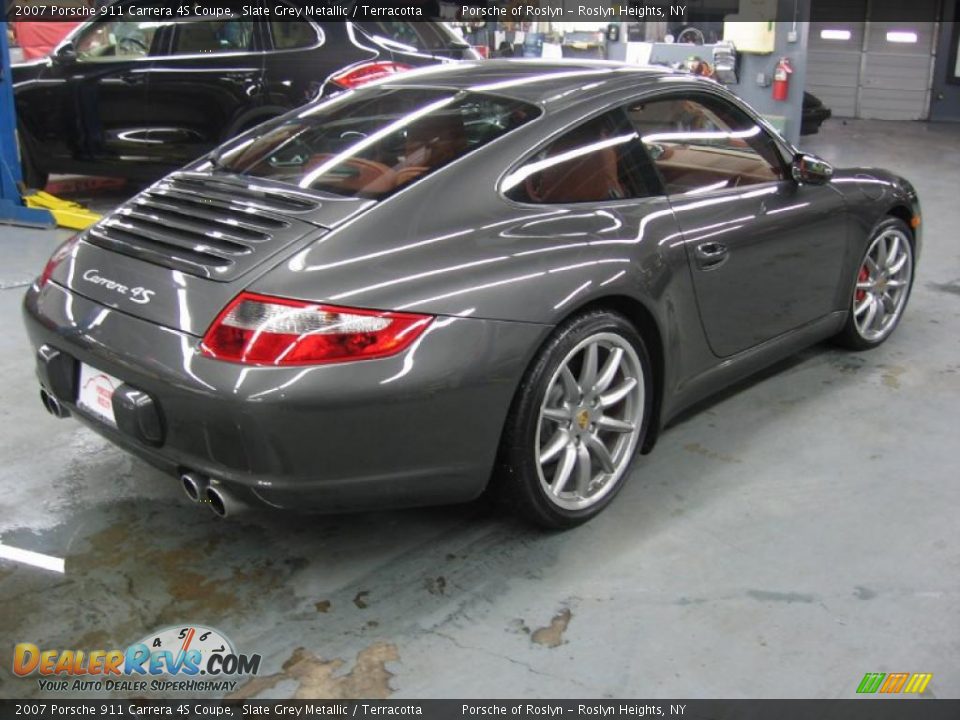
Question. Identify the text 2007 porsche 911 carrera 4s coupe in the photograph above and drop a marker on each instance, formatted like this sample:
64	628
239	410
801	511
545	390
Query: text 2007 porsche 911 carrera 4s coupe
507	273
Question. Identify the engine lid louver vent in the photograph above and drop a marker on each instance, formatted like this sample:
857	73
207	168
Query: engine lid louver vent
215	228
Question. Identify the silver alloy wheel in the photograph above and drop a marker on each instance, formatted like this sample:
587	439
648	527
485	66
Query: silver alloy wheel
590	420
882	285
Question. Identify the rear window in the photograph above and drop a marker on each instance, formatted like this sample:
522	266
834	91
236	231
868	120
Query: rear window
373	142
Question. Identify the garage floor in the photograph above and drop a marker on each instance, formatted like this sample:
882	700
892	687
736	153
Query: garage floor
796	533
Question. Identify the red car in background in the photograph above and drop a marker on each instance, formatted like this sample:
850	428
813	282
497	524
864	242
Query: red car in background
38	39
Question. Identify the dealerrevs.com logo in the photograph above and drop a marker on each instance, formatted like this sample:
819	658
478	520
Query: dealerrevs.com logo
176	659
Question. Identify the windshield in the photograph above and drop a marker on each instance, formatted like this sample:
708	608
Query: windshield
373	142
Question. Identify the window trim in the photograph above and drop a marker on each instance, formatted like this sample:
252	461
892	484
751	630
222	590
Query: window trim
320	38
321	41
527	156
172	30
786	150
74	36
297	112
692	94
164	46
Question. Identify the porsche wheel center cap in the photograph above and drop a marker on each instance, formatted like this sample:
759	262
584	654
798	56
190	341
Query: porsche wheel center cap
583	419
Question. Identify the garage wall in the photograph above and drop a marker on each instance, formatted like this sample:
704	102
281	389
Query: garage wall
869	74
760	97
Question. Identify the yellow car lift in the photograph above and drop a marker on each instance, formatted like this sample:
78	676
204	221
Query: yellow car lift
66	213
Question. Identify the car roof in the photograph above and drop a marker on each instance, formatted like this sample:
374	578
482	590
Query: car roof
544	82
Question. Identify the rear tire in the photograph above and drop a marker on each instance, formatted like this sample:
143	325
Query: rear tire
881	287
581	413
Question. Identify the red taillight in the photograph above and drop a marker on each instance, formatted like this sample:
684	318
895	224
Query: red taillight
59	255
367	72
260	330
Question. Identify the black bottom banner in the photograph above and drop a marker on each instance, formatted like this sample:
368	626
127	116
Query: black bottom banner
865	709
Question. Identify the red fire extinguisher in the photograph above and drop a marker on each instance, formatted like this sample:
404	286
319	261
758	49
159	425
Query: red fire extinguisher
781	79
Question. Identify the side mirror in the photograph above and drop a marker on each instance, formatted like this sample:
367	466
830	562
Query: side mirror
811	170
65	54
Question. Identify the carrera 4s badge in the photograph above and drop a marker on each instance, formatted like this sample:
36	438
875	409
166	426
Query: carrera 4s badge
138	295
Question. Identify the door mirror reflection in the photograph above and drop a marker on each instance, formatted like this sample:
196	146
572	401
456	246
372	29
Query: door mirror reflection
811	170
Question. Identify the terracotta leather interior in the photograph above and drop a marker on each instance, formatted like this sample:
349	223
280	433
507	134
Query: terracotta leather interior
435	140
697	163
409	174
593	177
686	168
430	142
358	174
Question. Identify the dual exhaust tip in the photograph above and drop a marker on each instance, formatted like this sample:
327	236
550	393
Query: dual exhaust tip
53	406
198	487
221	501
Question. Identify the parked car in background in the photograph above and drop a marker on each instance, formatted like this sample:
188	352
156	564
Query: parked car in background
140	98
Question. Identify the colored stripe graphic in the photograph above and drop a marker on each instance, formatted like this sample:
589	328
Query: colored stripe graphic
918	682
871	682
894	682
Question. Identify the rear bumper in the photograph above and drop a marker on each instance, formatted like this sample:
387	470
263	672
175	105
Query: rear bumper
417	429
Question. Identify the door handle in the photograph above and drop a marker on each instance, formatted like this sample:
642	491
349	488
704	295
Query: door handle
712	254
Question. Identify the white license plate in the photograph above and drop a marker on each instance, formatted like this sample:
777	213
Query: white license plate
96	393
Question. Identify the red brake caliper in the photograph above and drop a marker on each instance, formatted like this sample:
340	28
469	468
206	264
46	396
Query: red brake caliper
862	277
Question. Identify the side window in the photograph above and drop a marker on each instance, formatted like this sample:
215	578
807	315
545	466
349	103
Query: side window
293	34
591	163
416	35
115	40
704	143
199	37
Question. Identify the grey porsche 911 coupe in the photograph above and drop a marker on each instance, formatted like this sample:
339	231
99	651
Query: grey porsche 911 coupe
503	274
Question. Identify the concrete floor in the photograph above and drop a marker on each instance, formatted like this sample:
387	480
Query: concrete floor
794	534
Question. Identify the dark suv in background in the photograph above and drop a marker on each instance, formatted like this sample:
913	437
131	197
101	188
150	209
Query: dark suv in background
139	98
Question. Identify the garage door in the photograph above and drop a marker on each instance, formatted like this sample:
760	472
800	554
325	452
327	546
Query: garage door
897	64
835	53
878	67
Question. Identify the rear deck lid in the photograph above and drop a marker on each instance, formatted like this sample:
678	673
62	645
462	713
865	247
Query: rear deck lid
178	252
216	228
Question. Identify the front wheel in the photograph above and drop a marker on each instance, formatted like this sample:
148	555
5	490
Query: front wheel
882	287
576	423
